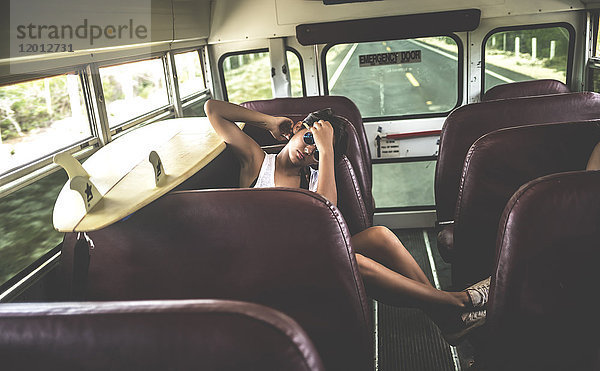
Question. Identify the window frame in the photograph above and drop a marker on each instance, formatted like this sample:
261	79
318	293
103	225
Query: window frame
38	164
197	93
151	116
397	160
222	71
301	62
259	50
593	62
570	51
460	79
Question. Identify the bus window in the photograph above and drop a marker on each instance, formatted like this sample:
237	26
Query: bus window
40	117
247	76
526	54
593	65
404	184
26	231
296	75
189	73
132	89
398	77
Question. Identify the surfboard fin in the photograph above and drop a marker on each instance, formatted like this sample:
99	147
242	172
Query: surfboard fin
79	179
157	165
70	164
88	191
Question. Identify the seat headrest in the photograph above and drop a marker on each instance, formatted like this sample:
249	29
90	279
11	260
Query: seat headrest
153	335
525	89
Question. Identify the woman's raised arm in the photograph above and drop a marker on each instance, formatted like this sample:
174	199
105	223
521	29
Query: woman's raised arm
223	115
323	134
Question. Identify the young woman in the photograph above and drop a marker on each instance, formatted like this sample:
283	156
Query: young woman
389	272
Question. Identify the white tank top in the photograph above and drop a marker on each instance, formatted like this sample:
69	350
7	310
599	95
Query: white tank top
266	176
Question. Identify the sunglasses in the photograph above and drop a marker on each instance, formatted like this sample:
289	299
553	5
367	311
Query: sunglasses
310	140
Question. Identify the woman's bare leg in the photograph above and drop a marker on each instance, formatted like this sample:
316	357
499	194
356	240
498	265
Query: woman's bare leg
390	287
381	245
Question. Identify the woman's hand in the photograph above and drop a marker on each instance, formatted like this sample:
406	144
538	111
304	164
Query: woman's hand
323	134
280	128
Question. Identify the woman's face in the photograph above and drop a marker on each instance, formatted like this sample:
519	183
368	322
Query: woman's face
301	154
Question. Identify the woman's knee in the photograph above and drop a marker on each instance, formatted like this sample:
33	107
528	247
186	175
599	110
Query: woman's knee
382	238
366	266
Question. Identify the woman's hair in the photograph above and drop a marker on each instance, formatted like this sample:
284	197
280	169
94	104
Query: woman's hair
338	124
339	136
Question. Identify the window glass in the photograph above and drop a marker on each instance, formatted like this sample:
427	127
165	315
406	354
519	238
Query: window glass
404	184
26	230
248	77
597	51
40	117
132	89
530	54
189	73
295	74
594	79
396	78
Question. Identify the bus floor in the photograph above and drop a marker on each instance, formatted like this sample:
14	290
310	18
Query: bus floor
406	339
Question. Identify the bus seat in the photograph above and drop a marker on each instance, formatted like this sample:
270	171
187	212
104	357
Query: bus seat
221	172
288	249
152	335
467	123
350	201
495	167
357	149
543	307
525	89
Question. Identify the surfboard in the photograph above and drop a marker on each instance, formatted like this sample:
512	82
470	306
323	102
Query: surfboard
132	171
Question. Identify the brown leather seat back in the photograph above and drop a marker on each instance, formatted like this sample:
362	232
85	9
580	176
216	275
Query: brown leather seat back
495	167
525	89
221	172
350	201
543	308
468	123
155	335
288	249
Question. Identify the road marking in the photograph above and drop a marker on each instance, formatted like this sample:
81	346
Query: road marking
338	72
412	80
491	73
499	76
448	55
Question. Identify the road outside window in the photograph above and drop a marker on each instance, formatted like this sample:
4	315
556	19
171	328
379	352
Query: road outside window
40	117
133	89
396	78
530	54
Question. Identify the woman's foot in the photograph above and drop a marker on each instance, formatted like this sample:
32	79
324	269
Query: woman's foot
478	294
468	321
